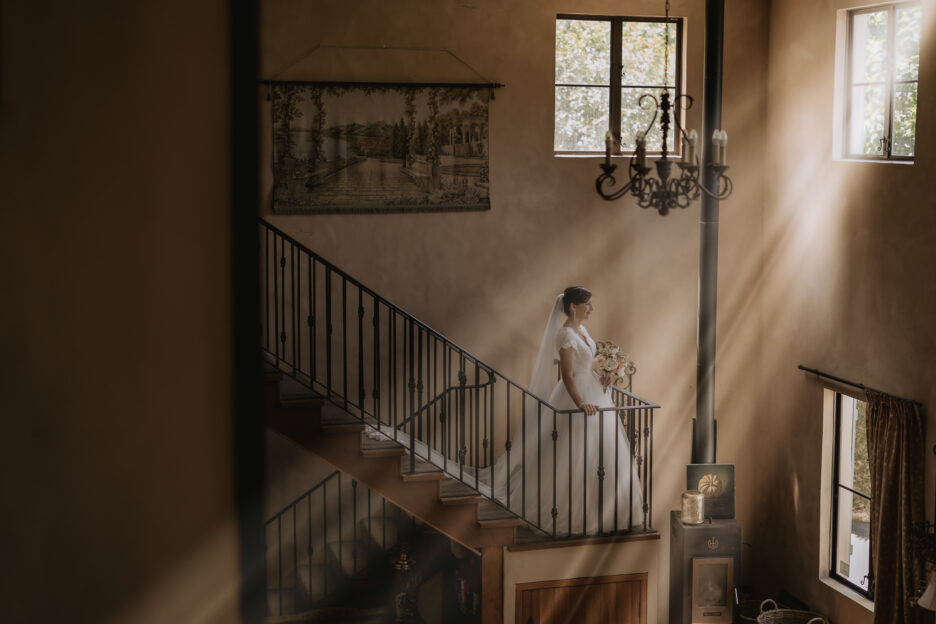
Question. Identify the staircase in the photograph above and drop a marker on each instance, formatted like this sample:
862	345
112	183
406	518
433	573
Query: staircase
403	411
328	543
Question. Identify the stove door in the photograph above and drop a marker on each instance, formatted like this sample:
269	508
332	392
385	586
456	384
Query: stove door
711	589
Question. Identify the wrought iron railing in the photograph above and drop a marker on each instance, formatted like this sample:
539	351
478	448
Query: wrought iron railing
410	383
326	536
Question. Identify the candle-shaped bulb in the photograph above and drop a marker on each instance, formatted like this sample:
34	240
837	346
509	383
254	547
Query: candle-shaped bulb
724	145
641	149
608	139
716	148
693	143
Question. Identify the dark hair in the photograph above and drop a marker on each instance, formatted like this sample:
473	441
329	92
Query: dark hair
576	295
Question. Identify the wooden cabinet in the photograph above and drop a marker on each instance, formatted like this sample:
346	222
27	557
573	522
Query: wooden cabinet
617	599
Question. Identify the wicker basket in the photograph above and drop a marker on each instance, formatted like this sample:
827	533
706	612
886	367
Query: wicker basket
770	614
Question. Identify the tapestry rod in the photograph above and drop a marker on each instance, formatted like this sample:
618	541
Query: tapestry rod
854	384
320	83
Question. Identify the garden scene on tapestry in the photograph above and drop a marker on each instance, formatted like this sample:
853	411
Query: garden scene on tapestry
377	148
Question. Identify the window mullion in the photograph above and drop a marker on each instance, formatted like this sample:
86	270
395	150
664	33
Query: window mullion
891	76
614	116
836	433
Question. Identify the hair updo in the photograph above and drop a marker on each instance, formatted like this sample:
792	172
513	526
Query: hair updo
576	295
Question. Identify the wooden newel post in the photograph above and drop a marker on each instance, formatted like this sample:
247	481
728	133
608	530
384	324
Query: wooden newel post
492	585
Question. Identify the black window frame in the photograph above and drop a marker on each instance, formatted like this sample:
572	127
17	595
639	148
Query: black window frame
836	485
616	67
890	82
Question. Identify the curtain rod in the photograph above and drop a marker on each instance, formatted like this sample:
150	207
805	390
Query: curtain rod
855	385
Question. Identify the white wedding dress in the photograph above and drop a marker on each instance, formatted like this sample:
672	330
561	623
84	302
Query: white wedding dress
567	450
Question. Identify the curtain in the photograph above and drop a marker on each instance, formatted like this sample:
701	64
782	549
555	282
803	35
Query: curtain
896	456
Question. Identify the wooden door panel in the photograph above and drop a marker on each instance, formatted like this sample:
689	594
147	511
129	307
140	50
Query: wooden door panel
617	599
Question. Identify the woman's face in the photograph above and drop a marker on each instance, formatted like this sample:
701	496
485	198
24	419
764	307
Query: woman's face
581	311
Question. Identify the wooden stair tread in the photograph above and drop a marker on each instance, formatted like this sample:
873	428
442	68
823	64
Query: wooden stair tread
422	471
468	499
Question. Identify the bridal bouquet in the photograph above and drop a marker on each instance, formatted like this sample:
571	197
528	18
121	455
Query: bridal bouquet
610	363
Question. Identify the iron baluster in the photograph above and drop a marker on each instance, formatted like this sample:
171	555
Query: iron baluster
344	341
476	422
276	316
310	280
360	350
412	401
282	263
635	451
506	447
584	473
539	464
419	382
555	439
266	282
648	491
617	464
376	322
462	449
328	332
570	473
601	471
294	307
523	480
491	419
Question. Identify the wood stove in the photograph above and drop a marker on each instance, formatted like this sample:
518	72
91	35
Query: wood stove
705	568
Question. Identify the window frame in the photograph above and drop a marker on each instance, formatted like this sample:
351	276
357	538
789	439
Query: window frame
836	485
890	82
616	66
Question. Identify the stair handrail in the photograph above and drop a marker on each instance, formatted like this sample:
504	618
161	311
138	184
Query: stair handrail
491	370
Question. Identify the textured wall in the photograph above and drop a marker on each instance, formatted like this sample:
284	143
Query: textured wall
487	279
848	282
118	475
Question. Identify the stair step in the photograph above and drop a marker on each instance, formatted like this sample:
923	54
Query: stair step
376	445
491	515
453	487
335	420
472	499
424	471
454	492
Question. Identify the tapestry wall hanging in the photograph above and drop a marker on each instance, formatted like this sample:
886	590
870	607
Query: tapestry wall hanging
379	148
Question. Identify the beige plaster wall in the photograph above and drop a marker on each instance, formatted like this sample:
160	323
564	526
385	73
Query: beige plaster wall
848	282
117	474
487	279
642	557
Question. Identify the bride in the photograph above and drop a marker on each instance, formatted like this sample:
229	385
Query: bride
562	446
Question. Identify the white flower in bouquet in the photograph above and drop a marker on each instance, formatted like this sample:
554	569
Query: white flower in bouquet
610	363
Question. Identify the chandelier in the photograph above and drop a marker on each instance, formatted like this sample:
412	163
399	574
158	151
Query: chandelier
666	191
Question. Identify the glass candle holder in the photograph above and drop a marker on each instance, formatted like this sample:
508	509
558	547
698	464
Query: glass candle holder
693	507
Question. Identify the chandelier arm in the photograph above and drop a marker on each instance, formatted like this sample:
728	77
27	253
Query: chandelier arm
688	98
725	187
608	177
656	110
